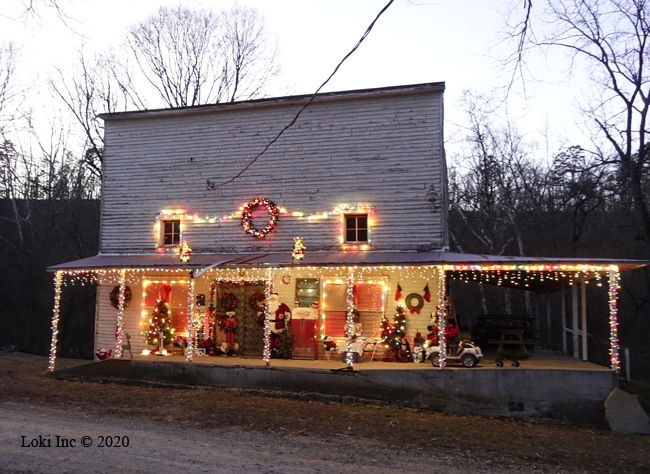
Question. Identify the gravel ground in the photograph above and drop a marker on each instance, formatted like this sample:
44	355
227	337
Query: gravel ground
232	430
159	447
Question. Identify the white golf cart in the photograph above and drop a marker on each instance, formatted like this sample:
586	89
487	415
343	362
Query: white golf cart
468	354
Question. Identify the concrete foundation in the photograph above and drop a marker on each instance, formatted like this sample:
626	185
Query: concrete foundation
574	396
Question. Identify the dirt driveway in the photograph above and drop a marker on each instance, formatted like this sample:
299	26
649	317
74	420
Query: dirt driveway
227	430
161	447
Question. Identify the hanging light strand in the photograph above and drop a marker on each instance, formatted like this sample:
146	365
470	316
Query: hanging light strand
55	318
119	331
614	351
441	316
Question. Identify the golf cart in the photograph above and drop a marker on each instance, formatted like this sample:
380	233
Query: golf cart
458	350
468	354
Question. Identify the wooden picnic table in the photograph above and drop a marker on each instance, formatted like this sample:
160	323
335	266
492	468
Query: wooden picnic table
513	337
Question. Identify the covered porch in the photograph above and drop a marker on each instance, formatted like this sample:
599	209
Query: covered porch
389	272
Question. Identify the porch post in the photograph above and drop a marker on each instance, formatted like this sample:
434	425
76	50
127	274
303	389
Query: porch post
583	310
563	300
55	318
120	316
268	289
548	318
350	314
574	323
190	319
441	316
614	285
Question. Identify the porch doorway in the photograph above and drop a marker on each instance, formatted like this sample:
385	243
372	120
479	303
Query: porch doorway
249	334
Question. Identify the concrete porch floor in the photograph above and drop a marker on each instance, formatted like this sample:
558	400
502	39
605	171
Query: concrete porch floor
540	359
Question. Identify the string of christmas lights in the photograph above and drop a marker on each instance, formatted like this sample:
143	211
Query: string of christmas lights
350	319
55	318
245	214
119	333
268	289
525	277
190	321
614	351
441	317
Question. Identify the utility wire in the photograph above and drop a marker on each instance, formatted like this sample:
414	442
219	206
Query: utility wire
212	186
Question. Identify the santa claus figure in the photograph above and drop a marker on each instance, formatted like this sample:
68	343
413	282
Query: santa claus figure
279	317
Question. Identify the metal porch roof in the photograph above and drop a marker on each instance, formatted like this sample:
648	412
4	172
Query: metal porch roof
325	259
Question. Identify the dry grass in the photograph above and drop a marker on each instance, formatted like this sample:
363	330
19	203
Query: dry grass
24	380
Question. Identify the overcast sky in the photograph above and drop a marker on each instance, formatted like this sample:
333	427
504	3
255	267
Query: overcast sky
415	41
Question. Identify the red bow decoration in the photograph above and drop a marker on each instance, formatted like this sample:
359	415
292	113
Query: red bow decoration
414	309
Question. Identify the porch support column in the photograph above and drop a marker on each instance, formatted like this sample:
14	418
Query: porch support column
548	319
268	289
119	330
563	300
349	317
442	294
574	323
190	319
614	285
583	311
58	276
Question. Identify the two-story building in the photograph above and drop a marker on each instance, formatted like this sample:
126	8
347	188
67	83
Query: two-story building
360	177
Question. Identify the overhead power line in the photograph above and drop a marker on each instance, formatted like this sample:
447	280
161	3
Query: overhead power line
212	186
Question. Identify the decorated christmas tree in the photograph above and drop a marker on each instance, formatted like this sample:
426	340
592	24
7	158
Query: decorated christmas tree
392	333
160	319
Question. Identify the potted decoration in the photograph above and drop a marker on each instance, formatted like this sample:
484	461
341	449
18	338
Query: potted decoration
285	345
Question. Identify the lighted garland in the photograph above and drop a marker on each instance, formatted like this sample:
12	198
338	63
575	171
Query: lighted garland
58	276
441	317
211	309
614	350
350	324
268	289
115	297
190	320
247	218
121	304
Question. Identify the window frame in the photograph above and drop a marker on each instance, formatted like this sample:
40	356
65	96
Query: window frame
356	216
179	235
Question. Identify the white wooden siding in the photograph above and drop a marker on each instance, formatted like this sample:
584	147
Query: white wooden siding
383	151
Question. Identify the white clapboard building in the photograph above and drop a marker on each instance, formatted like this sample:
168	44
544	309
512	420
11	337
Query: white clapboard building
360	177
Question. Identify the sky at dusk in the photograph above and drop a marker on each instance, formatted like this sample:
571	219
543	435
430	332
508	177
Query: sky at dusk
415	41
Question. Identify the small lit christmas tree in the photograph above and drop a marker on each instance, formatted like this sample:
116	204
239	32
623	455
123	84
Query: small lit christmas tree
392	333
298	252
160	320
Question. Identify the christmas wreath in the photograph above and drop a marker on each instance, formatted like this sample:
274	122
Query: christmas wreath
256	302
414	308
115	296
229	301
247	219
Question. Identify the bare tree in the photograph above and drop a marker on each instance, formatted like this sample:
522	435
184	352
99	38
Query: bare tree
611	39
93	88
249	56
8	89
193	57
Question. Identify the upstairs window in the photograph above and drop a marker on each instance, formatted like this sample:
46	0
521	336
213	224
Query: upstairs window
171	233
356	228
